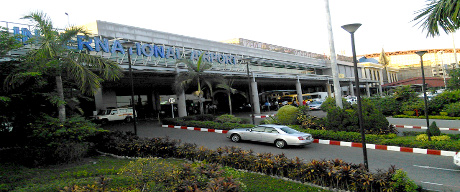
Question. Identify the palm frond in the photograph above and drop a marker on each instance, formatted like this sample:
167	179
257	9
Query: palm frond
439	14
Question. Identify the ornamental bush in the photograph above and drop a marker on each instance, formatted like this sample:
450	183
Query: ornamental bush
287	115
433	130
347	119
424	137
387	105
329	173
438	103
453	109
227	118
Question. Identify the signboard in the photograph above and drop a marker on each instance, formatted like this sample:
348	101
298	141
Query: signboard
172	100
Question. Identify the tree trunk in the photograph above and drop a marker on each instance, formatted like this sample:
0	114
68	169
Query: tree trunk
61	105
230	103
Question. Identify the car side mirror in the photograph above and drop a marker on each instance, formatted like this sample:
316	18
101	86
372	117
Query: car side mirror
249	130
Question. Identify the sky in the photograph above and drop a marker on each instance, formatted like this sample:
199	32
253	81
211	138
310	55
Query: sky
298	24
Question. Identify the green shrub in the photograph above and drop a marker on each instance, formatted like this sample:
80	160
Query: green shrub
410	113
439	102
227	118
287	115
329	103
433	130
443	113
270	120
424	137
387	105
415	104
401	182
56	142
329	173
405	93
453	109
347	119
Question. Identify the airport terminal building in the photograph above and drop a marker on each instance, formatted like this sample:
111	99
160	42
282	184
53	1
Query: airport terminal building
155	55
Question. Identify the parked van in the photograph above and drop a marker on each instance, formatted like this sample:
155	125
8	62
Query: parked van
114	114
319	96
292	99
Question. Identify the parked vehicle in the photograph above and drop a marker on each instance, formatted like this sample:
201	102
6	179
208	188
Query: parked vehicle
319	96
292	99
315	105
280	135
457	159
114	114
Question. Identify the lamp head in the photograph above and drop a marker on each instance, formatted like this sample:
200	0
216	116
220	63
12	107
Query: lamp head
421	53
351	28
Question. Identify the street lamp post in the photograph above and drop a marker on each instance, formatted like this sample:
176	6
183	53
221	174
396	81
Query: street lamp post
351	28
129	44
250	91
421	53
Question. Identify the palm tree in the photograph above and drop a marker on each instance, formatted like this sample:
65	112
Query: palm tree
227	86
54	57
439	13
196	75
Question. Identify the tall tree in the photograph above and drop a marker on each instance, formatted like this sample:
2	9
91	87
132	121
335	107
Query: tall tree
54	57
439	13
227	86
196	75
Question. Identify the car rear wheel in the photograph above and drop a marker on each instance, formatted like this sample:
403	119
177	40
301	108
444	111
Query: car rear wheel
235	138
128	119
280	144
104	121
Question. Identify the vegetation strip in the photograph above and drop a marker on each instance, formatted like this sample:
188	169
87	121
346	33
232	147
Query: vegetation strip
344	143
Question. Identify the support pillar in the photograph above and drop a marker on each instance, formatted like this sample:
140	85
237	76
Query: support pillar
181	106
368	90
98	100
328	88
255	96
352	92
298	88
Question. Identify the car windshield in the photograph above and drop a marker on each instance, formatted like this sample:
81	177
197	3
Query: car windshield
316	102
289	130
288	99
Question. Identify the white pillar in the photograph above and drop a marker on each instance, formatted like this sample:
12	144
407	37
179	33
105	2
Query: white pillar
335	70
352	92
328	88
298	87
255	96
368	90
98	99
181	106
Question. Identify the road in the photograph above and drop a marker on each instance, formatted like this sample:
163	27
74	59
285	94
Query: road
430	171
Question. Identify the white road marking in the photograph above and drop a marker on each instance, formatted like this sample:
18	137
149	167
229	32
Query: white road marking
428	167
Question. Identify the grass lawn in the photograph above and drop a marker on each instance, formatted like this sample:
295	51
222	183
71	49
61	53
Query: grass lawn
91	171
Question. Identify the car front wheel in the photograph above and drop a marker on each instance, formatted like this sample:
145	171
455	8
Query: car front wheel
280	144
235	138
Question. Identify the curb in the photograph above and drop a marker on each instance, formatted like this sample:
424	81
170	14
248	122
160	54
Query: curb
341	143
421	127
262	116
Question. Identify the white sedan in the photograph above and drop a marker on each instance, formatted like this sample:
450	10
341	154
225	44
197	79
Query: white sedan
280	135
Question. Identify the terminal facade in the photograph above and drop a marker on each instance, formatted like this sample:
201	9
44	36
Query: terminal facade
155	56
